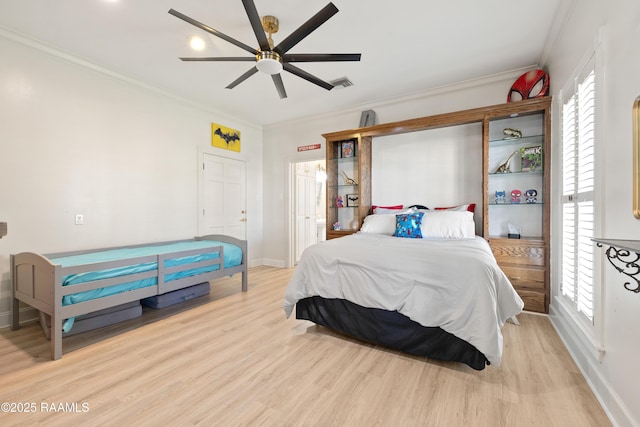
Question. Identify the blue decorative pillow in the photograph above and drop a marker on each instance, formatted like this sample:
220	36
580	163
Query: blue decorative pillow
408	225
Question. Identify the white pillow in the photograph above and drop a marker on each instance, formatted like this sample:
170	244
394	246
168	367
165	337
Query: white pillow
435	224
448	225
379	224
471	207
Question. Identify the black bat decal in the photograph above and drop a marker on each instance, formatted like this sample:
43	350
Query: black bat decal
227	137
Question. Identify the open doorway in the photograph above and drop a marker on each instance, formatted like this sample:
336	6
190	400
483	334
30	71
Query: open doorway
308	224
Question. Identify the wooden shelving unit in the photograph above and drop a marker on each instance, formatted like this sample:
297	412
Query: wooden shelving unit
524	260
358	168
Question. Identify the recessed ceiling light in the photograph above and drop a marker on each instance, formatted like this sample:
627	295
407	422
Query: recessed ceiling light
196	43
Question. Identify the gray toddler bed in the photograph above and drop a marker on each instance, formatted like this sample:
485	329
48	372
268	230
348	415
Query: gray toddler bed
69	284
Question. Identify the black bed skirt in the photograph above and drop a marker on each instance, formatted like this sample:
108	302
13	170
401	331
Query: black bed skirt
389	329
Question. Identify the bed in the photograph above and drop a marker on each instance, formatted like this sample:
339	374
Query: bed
440	297
69	284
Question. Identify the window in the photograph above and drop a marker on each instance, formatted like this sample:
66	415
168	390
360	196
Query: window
578	185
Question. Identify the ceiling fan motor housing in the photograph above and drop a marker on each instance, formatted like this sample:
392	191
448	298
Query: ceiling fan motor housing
269	62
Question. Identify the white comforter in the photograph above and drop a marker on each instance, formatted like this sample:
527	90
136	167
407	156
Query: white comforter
455	284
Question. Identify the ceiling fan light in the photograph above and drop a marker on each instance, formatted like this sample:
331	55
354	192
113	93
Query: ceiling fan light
196	43
269	62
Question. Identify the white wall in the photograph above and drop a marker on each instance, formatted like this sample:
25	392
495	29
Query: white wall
615	379
436	168
76	140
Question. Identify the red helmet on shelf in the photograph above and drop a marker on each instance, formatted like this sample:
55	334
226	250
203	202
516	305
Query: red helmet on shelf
532	84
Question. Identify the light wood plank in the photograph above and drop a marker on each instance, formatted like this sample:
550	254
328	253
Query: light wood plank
233	359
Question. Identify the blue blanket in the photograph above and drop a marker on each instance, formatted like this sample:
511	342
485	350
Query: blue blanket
232	258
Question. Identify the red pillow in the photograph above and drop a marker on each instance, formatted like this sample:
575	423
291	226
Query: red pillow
388	207
470	207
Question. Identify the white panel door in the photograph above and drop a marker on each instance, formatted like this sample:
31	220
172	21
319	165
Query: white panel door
224	196
305	213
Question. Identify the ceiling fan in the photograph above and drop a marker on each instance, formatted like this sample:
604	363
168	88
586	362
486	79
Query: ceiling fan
269	59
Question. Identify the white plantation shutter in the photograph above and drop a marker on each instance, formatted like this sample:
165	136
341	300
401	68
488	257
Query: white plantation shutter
584	295
586	133
569	147
578	177
569	245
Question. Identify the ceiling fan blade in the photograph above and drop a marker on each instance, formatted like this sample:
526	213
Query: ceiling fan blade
320	57
277	80
219	59
256	24
308	77
213	31
242	78
305	29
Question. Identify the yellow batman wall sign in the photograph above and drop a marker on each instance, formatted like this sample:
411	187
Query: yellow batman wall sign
224	137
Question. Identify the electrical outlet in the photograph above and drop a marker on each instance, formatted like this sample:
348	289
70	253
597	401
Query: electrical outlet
79	219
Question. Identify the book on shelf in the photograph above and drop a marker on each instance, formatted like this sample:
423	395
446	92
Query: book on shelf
531	158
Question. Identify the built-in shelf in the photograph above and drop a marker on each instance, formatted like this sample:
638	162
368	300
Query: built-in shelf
515	204
624	256
522	173
511	141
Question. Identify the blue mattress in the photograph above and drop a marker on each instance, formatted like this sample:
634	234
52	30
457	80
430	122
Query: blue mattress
232	258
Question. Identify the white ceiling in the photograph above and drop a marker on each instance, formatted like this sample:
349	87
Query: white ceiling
407	46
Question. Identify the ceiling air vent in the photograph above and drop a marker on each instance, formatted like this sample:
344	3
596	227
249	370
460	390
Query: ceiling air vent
343	81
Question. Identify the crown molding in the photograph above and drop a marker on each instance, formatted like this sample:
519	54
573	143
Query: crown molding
67	57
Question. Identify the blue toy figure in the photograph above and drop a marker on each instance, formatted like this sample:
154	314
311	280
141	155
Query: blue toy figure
501	197
339	202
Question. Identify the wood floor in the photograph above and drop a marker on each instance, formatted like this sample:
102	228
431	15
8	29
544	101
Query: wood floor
232	359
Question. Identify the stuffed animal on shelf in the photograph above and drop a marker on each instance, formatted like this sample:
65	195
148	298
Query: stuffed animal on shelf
516	195
339	202
501	197
531	196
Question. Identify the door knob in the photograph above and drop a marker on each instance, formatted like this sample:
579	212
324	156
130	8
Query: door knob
243	220
242	212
